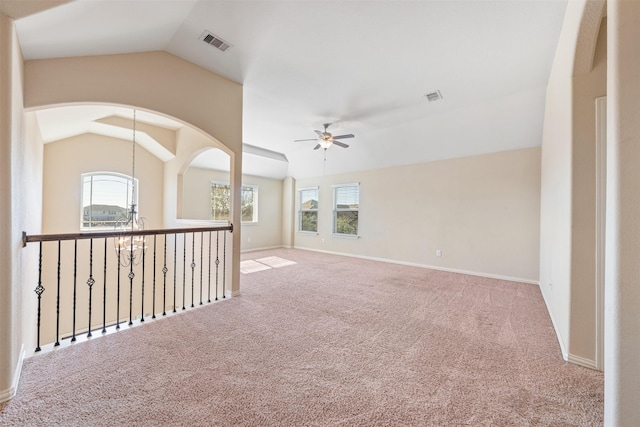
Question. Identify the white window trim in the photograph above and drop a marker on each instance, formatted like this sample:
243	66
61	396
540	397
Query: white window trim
256	198
335	210
299	193
136	184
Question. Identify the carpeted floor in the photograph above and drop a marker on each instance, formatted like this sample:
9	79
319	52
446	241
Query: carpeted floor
327	341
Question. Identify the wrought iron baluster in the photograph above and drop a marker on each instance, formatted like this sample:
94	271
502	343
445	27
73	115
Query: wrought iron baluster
58	301
184	268
131	276
209	271
39	290
164	279
193	264
118	291
75	282
217	261
201	265
175	268
104	291
144	253
90	283
153	301
224	266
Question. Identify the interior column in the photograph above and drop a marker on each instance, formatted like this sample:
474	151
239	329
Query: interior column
622	281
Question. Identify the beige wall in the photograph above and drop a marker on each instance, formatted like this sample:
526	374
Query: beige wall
288	212
32	181
21	187
267	233
482	212
10	210
586	88
66	160
196	185
622	282
567	219
196	96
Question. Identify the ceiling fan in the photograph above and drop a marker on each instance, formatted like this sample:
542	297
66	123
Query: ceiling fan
326	139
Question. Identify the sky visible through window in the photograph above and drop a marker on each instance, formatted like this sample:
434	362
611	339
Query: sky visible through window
106	189
348	196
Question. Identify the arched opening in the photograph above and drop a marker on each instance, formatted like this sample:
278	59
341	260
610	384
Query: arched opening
205	189
78	142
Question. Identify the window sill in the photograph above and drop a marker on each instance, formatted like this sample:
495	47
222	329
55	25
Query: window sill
309	233
346	236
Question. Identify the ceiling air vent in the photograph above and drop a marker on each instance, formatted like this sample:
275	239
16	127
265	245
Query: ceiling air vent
215	41
433	96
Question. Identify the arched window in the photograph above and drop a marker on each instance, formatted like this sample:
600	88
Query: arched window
106	199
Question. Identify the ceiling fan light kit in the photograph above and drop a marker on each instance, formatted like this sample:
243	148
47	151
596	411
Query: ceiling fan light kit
326	139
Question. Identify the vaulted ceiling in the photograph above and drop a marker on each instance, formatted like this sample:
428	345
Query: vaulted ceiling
364	66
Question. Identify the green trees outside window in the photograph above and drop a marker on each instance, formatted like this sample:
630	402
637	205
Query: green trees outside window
346	199
308	210
221	202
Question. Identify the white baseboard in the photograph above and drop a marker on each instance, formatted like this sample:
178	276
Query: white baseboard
587	363
8	394
430	267
232	294
563	347
266	248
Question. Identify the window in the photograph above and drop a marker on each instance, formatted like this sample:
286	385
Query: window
106	199
308	210
221	202
346	203
249	204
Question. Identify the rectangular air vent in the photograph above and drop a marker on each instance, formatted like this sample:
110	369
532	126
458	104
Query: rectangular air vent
215	41
433	96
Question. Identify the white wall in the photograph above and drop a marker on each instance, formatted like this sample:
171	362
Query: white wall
482	212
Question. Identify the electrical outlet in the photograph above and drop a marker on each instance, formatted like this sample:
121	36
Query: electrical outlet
438	252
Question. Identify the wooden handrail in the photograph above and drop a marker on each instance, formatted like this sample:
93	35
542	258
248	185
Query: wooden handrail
102	234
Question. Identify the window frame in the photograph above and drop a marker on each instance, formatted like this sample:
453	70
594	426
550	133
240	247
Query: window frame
336	210
129	183
301	210
256	195
254	189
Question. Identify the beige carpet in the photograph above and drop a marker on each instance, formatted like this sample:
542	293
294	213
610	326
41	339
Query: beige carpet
324	341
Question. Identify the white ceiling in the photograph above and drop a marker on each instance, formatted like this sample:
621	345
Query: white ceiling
364	65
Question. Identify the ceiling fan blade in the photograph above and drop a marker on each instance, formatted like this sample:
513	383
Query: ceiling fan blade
316	147
302	140
349	135
320	134
341	144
